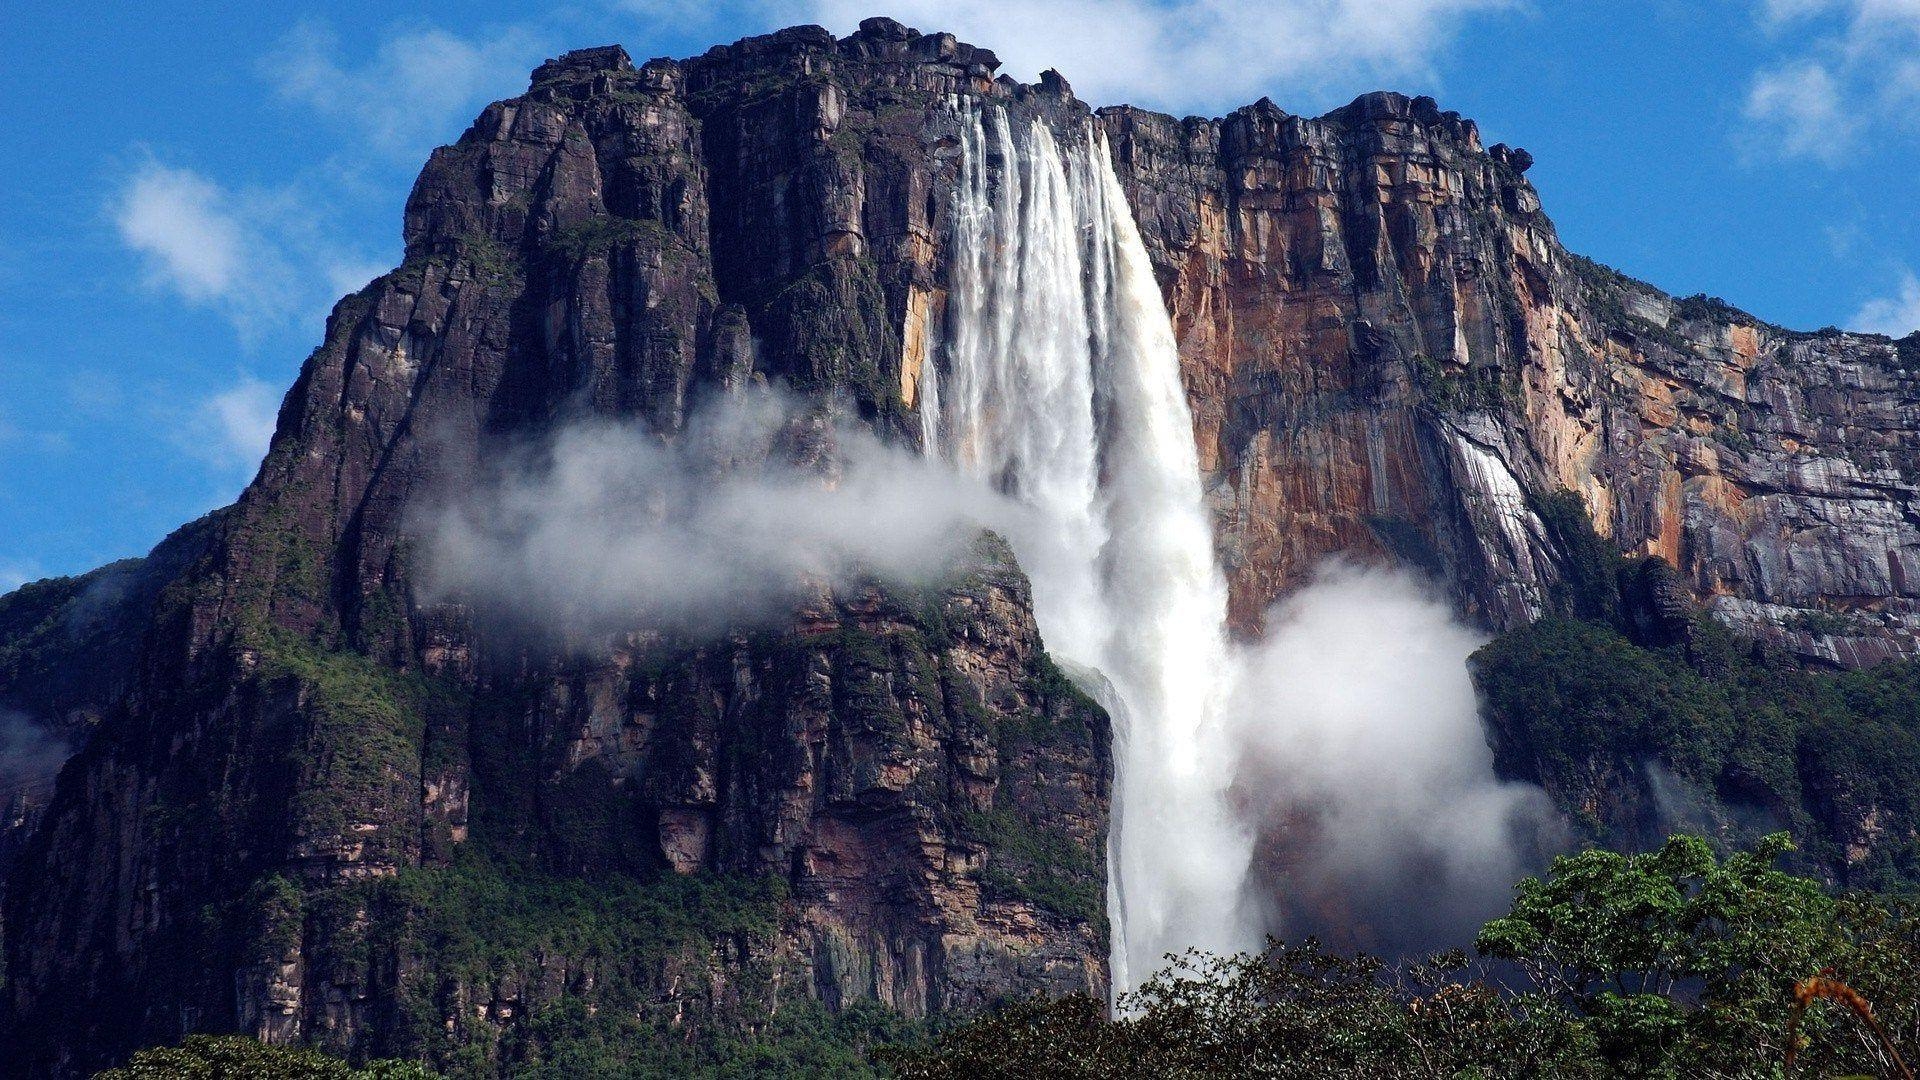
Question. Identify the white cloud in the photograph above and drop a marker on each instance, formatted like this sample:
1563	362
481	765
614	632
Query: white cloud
227	430
1849	68
186	228
1863	19
262	257
609	526
1776	12
15	573
237	423
414	92
1896	315
1170	54
1801	109
268	257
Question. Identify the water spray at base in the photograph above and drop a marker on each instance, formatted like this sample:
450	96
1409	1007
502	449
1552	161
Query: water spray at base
1350	779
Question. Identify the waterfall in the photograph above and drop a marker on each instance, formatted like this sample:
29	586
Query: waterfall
930	409
1063	389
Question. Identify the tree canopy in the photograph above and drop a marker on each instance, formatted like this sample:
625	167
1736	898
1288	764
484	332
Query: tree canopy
1671	963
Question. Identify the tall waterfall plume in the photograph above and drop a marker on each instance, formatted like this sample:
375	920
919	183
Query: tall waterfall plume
1063	388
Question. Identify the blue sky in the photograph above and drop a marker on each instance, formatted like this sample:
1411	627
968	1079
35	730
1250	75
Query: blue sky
185	188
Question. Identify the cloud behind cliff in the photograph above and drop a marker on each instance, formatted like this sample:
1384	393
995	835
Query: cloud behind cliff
610	525
16	572
1896	314
417	88
1179	55
30	755
233	427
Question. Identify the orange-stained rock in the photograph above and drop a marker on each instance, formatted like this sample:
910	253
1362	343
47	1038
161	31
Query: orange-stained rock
1377	321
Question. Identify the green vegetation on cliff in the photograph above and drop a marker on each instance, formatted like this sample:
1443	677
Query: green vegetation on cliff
1714	733
499	970
365	726
553	940
32	625
1637	723
1042	866
1668	964
231	1057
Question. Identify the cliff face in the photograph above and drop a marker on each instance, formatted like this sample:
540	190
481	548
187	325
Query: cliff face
1388	350
895	798
294	763
889	796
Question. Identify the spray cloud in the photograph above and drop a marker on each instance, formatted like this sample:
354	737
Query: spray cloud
1363	764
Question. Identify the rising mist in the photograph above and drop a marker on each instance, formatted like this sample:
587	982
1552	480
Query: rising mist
1363	764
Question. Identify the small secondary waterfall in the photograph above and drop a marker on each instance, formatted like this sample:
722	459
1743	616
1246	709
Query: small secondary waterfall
1063	388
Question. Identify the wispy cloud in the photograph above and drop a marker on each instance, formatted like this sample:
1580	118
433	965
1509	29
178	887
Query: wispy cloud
224	428
608	526
30	755
95	394
1170	54
17	572
187	230
1802	112
271	259
237	423
261	257
1777	13
267	256
1896	314
1849	67
415	90
31	439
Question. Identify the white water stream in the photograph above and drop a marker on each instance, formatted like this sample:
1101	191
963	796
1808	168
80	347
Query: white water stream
1063	388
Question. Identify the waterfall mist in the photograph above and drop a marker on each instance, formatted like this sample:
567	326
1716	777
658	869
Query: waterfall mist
31	754
1333	778
1363	763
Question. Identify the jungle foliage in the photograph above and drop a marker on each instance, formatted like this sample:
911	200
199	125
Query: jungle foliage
1665	964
